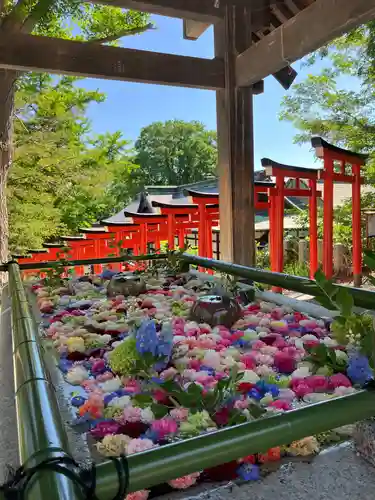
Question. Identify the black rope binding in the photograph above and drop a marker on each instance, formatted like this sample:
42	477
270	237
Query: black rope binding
83	477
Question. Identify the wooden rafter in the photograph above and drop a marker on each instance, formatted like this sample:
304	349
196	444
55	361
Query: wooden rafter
311	28
197	10
192	30
52	55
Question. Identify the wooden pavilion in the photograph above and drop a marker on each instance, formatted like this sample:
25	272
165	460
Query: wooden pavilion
253	39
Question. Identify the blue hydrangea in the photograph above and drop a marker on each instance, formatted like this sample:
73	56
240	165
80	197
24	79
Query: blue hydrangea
255	394
359	370
146	338
249	472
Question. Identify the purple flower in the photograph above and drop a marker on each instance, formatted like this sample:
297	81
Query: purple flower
359	370
249	472
146	338
103	429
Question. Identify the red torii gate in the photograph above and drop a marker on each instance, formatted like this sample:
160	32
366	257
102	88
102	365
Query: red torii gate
277	207
349	171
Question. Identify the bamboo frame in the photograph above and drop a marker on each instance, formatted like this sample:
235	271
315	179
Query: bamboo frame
41	433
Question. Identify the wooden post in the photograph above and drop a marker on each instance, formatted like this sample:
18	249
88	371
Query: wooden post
313	229
235	142
356	228
328	216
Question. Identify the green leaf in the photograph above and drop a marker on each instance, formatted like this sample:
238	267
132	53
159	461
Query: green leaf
159	411
345	302
143	400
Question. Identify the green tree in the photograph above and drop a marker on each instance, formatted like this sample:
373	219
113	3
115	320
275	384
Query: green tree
62	175
60	18
175	152
341	111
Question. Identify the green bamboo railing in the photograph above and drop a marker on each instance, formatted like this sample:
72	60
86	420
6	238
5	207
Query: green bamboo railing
42	434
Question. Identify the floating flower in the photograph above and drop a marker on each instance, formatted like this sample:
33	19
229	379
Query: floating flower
304	447
138	495
249	472
139	445
182	483
113	445
359	370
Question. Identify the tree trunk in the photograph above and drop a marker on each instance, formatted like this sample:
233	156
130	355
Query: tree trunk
7	80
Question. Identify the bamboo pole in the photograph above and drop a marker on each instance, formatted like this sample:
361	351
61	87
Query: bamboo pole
178	459
362	298
41	433
86	262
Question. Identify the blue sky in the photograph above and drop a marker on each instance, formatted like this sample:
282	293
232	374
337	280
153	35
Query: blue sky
131	106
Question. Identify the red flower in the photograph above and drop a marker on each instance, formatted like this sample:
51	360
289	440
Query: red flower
76	356
271	339
133	429
339	380
221	417
309	344
318	383
161	396
272	455
224	472
284	362
250	459
244	387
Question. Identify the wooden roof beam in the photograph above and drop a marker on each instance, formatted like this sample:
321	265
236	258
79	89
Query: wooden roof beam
311	28
192	30
52	55
198	10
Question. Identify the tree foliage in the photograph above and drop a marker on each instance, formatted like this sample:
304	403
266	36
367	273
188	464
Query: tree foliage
54	135
62	175
175	152
339	102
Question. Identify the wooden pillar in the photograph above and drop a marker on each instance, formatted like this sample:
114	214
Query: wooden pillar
171	230
313	229
328	217
356	228
235	142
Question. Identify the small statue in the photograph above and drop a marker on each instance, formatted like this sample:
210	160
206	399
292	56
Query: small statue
216	310
126	284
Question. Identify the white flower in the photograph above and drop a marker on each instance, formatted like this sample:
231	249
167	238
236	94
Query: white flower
264	370
302	372
113	446
147	416
341	355
329	342
111	385
120	402
250	376
308	336
212	359
77	375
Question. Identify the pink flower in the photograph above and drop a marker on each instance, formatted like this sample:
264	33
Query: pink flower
138	445
285	362
301	389
318	383
168	374
132	385
164	427
184	482
104	377
241	404
195	364
280	405
179	414
248	361
339	380
264	359
132	414
138	495
258	345
104	428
